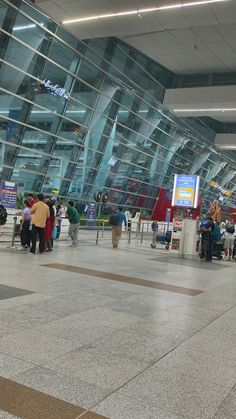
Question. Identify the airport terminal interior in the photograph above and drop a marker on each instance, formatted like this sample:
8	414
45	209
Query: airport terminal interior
118	154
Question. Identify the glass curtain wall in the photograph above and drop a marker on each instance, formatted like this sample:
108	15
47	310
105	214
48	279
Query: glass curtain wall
81	117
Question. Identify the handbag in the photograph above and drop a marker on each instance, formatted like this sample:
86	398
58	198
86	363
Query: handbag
54	232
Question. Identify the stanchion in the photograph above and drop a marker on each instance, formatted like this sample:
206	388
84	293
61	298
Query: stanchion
98	229
142	231
136	229
154	239
13	235
102	229
129	236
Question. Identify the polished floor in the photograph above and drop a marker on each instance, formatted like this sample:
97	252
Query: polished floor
127	333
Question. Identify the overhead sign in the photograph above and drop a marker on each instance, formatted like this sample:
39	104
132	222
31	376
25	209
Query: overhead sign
8	194
223	191
185	191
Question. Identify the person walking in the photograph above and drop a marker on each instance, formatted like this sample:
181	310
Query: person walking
40	213
229	240
117	221
74	220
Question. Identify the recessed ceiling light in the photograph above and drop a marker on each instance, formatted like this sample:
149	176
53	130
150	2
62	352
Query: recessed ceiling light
141	11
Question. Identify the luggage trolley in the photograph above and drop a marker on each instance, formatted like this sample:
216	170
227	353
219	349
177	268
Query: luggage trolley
163	238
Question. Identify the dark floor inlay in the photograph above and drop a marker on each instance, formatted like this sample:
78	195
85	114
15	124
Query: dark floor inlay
122	278
26	403
12	292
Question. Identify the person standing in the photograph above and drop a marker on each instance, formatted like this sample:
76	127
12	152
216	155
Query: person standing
207	231
60	214
74	220
154	228
229	240
48	231
40	212
25	226
117	221
31	200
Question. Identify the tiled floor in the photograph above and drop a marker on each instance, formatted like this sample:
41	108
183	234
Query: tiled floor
124	333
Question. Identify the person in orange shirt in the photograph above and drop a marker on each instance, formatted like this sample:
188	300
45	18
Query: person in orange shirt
40	213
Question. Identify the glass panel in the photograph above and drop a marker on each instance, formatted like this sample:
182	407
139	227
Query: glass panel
3	11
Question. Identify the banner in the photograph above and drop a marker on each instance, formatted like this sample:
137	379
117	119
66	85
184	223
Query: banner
8	194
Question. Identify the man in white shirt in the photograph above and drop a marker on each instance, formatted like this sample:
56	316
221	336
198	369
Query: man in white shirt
229	240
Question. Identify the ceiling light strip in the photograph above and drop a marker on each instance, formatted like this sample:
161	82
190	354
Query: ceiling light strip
205	110
147	10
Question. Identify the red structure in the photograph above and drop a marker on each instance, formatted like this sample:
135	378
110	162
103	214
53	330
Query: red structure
163	203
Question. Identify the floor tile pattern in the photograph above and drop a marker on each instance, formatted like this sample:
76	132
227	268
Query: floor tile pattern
102	343
123	278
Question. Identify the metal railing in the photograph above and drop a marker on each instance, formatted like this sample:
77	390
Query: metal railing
138	232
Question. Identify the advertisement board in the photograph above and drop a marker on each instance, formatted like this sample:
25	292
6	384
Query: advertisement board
176	234
185	191
8	194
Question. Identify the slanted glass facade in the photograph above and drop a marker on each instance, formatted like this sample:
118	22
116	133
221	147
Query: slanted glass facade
81	117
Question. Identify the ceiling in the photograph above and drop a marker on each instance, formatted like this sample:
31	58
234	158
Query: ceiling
190	40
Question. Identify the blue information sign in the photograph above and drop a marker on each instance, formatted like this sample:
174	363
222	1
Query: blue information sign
8	194
91	214
185	192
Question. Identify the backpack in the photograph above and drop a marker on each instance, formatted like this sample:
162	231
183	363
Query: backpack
113	220
216	234
3	215
230	228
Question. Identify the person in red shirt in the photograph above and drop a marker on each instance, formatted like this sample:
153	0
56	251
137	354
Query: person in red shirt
31	199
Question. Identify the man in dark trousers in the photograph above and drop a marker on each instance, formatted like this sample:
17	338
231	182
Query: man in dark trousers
207	230
40	212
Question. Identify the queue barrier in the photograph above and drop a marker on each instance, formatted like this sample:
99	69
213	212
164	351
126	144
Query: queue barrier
140	231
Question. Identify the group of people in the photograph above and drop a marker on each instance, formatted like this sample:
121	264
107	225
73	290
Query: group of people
212	232
41	219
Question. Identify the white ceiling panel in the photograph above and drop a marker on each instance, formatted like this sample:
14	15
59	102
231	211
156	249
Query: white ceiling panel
200	16
190	40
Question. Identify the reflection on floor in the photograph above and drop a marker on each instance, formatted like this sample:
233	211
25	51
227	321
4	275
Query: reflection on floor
122	334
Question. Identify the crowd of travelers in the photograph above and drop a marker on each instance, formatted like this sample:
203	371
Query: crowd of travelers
41	220
217	238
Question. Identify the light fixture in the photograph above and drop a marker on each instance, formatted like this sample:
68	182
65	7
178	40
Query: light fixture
19	28
225	146
205	110
142	11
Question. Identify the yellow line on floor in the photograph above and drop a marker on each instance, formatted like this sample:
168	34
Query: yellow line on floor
124	278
